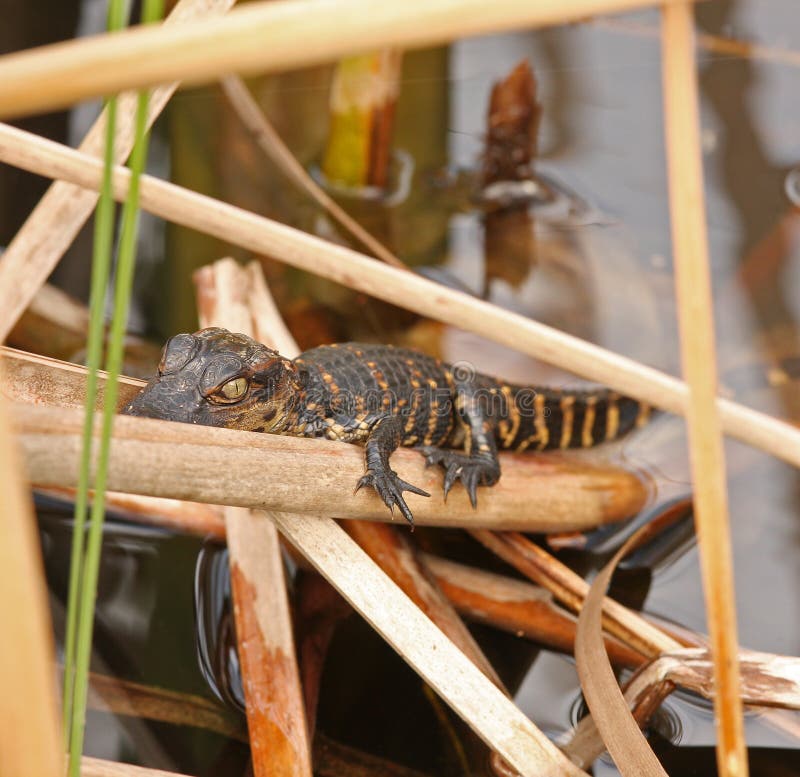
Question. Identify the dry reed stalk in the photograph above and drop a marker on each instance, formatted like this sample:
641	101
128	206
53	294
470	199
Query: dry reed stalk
30	740
187	517
59	215
768	680
124	697
55	325
432	655
617	727
276	718
51	316
696	321
34	379
516	607
274	700
264	471
271	143
408	290
261	37
98	767
40	380
571	590
269	324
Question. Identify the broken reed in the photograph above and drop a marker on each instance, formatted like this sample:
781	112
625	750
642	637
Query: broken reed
698	357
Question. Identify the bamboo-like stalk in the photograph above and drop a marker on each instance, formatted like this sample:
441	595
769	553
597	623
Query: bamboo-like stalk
362	102
245	469
398	287
273	698
260	37
188	517
58	217
271	143
30	741
696	321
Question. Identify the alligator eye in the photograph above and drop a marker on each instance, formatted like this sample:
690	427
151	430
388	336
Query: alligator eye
232	390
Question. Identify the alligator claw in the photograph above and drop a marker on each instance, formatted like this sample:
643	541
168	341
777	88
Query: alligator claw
390	488
471	471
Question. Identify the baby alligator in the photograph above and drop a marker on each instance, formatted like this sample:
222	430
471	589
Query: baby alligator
379	396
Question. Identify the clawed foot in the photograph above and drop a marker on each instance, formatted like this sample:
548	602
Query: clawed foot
390	488
472	471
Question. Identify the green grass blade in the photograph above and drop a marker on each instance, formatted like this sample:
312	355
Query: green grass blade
85	565
101	265
103	237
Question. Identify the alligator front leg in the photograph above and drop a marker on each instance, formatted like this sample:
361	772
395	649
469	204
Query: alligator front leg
384	438
478	466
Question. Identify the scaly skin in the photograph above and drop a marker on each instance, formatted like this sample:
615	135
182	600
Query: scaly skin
380	397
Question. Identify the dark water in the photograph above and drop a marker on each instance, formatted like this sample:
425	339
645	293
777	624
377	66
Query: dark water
600	269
